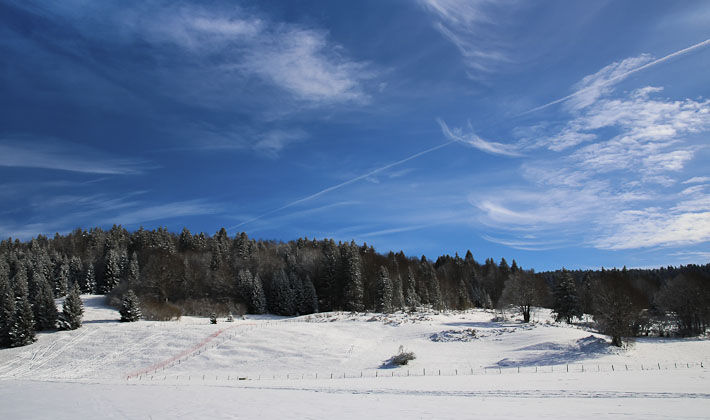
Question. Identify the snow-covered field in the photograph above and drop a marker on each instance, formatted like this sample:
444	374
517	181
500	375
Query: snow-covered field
330	366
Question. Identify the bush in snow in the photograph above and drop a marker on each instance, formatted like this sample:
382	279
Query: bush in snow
400	359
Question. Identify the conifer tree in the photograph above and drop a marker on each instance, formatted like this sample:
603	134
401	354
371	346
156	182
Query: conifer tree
383	299
112	272
310	298
61	278
72	310
297	298
411	300
7	309
566	304
133	271
45	310
130	307
76	272
88	284
22	330
257	298
353	288
279	301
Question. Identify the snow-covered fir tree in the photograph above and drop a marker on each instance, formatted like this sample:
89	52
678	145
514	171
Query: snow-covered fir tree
45	310
353	287
383	298
566	305
112	272
310	298
22	330
72	310
411	300
7	308
130	307
88	284
280	302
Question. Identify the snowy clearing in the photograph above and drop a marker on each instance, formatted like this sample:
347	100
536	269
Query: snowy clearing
466	366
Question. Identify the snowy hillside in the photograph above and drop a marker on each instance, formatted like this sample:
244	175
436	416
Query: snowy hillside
464	361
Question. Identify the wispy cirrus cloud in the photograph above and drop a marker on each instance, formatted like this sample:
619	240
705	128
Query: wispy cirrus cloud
476	141
210	50
644	140
45	153
593	86
473	26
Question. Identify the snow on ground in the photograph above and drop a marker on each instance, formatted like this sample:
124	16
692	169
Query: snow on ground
467	366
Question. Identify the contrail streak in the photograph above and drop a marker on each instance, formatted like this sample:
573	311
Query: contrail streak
343	184
621	76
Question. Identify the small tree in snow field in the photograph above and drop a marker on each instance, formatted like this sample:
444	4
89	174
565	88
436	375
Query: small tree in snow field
130	308
72	310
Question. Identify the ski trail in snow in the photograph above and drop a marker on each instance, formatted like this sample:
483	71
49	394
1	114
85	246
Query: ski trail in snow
82	368
38	360
186	353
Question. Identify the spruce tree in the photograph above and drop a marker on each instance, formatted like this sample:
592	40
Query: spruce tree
7	309
310	298
61	278
257	298
133	271
566	304
130	307
45	310
22	330
112	272
411	300
72	310
383	298
76	272
87	284
279	301
353	288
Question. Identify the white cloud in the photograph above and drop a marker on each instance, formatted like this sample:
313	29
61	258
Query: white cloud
617	154
201	52
697	180
473	26
23	152
474	140
300	60
593	86
654	227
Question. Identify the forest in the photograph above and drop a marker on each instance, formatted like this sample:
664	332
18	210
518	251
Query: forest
169	275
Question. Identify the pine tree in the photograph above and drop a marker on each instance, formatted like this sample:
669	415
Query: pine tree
310	298
566	304
76	272
130	307
297	298
133	272
250	291
280	294
61	278
45	310
383	299
88	284
72	310
22	330
7	309
411	300
112	272
432	285
257	298
353	291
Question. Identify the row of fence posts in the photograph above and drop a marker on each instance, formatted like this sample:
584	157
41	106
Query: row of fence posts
409	372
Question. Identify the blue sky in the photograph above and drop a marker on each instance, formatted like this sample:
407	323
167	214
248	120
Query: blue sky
557	133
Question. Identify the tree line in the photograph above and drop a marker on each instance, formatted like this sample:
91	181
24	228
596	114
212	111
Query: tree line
199	274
